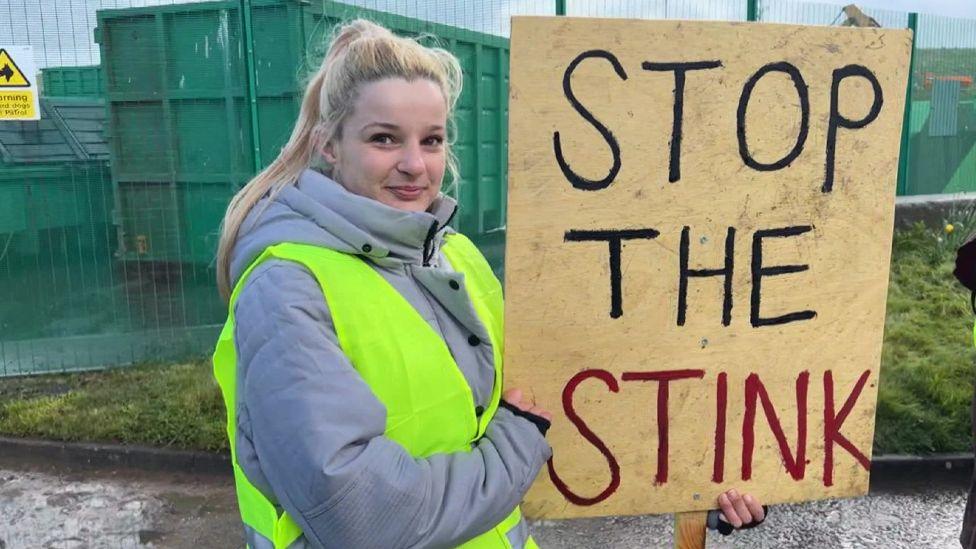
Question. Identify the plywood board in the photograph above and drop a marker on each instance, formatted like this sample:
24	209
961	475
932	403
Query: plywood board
718	283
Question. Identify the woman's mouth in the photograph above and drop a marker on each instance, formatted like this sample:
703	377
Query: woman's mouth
407	192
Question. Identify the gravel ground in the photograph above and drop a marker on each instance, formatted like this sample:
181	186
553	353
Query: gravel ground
928	519
46	508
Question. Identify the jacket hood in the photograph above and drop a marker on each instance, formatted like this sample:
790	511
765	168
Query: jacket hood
318	211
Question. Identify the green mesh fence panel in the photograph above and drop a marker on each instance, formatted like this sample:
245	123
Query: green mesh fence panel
722	10
129	276
110	205
942	145
809	13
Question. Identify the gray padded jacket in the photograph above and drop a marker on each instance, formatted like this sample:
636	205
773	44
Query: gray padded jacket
310	431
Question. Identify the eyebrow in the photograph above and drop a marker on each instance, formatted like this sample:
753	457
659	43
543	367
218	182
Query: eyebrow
388	126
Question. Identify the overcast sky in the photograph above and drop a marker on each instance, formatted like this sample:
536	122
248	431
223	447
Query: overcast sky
61	31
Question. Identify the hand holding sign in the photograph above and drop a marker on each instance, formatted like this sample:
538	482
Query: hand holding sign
516	399
699	232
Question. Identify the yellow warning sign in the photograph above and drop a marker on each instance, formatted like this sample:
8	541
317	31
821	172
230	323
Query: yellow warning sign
18	84
17	105
10	74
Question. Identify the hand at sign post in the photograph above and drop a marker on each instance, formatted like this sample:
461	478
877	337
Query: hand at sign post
736	511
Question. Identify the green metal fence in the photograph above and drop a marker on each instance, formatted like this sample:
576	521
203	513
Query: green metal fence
110	205
941	152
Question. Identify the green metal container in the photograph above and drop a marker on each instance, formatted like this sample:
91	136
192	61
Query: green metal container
181	126
56	235
81	81
53	172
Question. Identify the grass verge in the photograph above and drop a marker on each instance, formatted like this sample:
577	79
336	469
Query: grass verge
172	405
923	403
927	359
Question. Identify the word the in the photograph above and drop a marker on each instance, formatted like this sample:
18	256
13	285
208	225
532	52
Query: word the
615	237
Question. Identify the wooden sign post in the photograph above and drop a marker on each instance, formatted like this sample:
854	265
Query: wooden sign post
699	231
690	530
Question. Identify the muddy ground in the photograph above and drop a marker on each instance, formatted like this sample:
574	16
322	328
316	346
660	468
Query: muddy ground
56	508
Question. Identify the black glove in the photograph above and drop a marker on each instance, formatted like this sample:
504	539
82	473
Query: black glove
541	423
965	270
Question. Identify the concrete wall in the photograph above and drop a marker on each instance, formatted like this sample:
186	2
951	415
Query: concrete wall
931	209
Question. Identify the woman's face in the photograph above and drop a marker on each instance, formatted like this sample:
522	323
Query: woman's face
392	145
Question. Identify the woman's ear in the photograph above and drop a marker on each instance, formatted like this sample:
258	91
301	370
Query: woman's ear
329	153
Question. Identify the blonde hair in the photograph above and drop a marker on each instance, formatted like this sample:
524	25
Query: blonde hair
360	52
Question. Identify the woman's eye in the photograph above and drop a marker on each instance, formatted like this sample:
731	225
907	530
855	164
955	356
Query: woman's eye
434	140
382	138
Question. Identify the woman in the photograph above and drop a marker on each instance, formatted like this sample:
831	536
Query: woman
361	353
965	273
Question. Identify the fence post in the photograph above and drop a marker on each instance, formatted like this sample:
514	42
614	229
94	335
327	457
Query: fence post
752	10
902	188
560	7
252	90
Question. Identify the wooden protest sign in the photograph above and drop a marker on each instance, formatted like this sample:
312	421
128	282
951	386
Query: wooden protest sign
699	232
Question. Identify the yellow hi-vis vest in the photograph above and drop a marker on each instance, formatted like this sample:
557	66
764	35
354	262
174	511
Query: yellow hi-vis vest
430	407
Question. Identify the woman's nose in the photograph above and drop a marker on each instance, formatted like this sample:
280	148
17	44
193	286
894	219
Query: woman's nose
412	161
